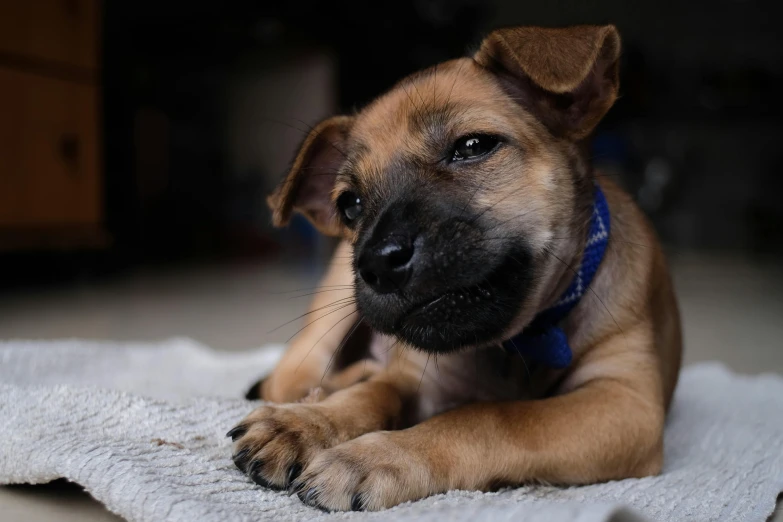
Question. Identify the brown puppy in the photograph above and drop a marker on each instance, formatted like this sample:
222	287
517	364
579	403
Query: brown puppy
464	197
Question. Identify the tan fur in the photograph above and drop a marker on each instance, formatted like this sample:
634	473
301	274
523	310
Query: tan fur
600	419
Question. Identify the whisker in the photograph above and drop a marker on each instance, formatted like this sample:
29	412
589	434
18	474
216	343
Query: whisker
333	303
274	120
517	216
395	343
417	92
473	195
308	289
322	292
340	347
399	356
513	192
416	107
527	371
329	142
575	238
319	339
343	306
422	373
456	77
590	287
611	238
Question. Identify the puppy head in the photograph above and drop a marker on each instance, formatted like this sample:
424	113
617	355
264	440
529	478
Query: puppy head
465	189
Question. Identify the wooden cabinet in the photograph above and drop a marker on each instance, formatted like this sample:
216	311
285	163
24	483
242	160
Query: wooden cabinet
63	32
47	151
50	174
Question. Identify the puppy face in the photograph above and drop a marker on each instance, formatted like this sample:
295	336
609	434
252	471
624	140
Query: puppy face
463	188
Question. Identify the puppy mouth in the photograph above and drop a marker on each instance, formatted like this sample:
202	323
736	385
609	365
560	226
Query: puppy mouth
472	315
447	322
461	297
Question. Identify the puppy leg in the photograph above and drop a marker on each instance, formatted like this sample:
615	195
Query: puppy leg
333	315
353	374
275	442
608	427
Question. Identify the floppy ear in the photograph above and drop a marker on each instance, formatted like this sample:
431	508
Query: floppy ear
307	188
567	77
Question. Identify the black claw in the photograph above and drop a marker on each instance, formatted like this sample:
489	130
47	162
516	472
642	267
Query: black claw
254	471
258	479
254	393
293	473
357	504
295	487
261	481
308	497
236	432
240	459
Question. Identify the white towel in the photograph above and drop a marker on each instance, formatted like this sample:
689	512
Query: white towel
142	428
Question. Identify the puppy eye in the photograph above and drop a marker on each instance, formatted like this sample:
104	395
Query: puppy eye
473	146
350	206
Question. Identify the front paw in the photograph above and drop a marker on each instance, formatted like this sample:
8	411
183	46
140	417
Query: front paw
372	472
274	443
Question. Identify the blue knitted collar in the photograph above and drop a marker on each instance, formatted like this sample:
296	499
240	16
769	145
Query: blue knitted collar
543	341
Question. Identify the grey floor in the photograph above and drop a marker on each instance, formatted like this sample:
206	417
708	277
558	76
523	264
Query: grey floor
732	310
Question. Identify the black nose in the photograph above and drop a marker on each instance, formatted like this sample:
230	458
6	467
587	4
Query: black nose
386	266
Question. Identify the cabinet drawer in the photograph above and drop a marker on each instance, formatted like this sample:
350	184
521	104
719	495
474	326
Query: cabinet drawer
48	152
64	31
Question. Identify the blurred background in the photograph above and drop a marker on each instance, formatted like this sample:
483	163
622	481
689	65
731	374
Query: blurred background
139	139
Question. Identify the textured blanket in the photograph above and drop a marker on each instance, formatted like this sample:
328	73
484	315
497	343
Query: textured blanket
142	427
